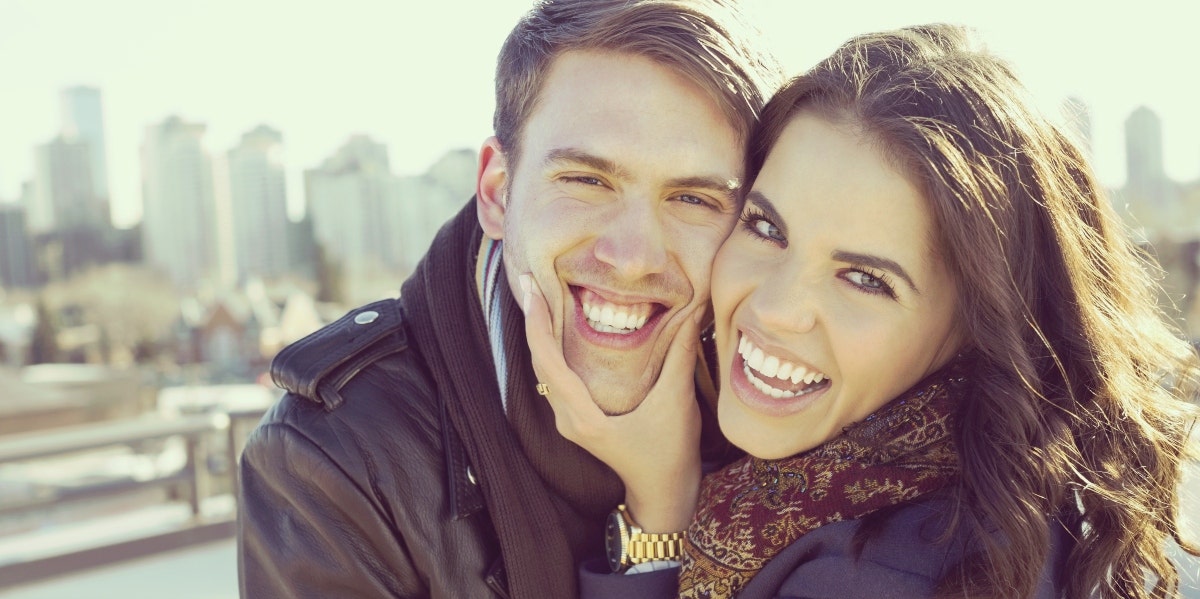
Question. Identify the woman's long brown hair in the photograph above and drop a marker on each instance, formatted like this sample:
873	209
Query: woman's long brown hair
1084	392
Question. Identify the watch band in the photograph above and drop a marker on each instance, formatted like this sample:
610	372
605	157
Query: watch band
640	547
646	547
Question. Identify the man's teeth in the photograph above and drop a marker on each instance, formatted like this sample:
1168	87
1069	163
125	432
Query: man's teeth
611	318
760	366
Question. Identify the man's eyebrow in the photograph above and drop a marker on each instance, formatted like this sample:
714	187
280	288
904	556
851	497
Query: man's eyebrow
577	156
878	263
723	186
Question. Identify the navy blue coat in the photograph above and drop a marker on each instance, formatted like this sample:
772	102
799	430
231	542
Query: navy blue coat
902	560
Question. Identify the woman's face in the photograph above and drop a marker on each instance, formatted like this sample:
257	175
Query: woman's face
830	298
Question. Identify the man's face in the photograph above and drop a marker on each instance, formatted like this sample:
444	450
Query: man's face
626	186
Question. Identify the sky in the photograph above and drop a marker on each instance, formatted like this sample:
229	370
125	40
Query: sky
418	76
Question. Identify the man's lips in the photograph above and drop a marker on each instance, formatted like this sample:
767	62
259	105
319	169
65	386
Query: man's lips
618	323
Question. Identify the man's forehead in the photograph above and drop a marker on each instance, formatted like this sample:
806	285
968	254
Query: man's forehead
602	79
628	115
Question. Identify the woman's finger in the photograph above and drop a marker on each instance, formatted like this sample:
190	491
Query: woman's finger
567	391
675	384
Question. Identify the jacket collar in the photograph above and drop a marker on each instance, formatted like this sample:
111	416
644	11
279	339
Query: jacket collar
465	496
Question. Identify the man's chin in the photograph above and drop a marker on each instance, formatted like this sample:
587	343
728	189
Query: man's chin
615	405
615	380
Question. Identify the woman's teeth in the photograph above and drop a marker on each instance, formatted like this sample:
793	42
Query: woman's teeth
762	369
612	318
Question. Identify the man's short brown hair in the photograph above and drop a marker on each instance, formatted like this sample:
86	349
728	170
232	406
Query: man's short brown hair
707	41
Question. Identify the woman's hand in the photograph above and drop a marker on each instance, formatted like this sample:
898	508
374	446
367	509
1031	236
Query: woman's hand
655	449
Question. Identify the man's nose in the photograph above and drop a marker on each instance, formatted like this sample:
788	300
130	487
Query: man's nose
633	242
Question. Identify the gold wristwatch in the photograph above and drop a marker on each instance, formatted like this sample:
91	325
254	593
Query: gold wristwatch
627	544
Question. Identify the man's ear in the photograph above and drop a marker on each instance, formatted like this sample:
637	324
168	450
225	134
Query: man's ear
491	197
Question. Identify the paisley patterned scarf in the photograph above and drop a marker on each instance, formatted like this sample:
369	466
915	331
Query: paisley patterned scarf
754	508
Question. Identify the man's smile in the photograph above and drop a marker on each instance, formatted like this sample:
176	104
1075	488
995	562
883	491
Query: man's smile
610	317
615	322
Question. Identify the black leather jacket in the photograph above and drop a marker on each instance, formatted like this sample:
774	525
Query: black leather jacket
355	484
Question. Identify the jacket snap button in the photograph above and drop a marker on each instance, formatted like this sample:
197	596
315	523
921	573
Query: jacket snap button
471	476
366	317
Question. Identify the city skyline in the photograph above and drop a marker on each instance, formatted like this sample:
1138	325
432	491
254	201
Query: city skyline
286	67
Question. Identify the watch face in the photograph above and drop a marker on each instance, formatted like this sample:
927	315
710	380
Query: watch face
614	544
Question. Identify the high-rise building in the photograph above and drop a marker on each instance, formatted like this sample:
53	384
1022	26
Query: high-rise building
258	205
423	203
67	206
64	197
178	216
69	224
1149	195
83	121
1078	117
16	256
1144	149
346	198
302	251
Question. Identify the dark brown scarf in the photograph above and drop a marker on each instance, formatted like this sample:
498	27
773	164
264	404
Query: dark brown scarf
755	508
547	498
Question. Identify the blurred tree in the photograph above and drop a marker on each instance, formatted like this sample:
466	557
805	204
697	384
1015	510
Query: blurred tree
134	307
43	347
145	350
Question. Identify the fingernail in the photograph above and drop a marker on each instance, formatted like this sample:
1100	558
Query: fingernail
526	287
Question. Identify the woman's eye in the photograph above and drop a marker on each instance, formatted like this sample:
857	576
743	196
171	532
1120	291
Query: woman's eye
869	282
757	225
863	279
767	229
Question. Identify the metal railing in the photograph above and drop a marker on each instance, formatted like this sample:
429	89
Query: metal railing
205	437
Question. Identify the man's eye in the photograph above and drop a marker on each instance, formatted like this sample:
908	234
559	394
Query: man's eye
584	180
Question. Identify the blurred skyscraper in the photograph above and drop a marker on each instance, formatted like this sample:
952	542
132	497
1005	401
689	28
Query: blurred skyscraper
258	198
374	225
63	194
16	258
67	203
1146	179
178	220
423	203
83	120
1078	118
1161	215
346	198
69	223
